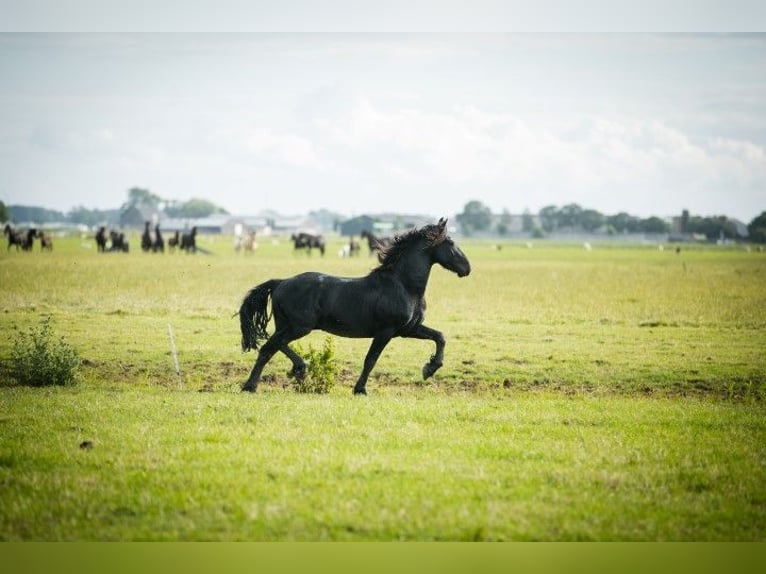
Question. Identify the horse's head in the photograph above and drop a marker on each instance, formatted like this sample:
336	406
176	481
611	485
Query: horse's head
446	253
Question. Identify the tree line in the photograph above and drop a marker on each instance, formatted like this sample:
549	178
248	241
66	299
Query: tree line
139	203
476	217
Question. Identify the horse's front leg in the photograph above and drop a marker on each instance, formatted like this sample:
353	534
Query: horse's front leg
376	348
437	359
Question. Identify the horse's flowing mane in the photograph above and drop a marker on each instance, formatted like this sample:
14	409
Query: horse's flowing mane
433	235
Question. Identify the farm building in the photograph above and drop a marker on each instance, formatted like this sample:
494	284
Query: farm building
383	224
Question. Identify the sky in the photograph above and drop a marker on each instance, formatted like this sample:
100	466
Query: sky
647	123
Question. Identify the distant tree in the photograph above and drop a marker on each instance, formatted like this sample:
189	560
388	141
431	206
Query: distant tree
757	228
527	222
654	225
142	199
570	216
36	214
475	217
504	226
93	217
193	208
622	222
5	215
549	217
591	220
712	228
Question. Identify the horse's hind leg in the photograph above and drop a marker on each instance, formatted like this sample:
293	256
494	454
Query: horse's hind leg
299	365
277	342
266	352
437	359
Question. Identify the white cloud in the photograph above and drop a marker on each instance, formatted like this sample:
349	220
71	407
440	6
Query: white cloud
285	148
619	159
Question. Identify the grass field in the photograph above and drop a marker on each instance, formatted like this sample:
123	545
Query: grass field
611	394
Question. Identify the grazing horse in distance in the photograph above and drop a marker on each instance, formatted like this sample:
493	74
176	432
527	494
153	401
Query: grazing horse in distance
351	249
308	242
249	243
119	242
146	238
159	243
189	241
388	302
174	241
46	243
378	244
15	238
101	239
29	240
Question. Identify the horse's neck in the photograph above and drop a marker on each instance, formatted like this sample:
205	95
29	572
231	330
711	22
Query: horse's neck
413	270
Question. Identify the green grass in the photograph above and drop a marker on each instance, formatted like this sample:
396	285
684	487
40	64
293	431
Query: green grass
616	394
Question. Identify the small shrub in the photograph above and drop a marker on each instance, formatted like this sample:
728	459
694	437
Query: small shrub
38	360
321	369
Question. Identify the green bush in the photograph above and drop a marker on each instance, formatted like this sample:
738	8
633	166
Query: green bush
38	360
321	369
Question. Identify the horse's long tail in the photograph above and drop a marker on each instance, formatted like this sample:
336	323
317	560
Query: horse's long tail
254	315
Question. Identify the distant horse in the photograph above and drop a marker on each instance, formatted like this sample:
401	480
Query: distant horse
101	239
15	238
189	241
29	240
388	302
376	243
351	249
146	238
249	243
308	242
174	241
159	243
119	242
46	243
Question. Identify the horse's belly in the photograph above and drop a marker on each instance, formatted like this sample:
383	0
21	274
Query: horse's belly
341	328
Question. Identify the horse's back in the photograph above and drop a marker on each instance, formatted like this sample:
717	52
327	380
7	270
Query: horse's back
349	307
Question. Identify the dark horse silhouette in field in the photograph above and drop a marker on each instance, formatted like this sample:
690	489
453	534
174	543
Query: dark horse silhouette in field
159	243
18	238
375	243
389	302
146	238
308	242
101	238
189	241
174	241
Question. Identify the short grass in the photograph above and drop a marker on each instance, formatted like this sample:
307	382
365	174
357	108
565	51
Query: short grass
612	394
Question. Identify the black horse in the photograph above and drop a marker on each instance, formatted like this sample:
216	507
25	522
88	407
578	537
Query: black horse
159	243
308	242
376	243
174	241
15	238
389	302
119	242
189	241
146	238
101	236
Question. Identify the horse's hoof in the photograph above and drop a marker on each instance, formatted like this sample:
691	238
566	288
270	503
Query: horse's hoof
360	391
248	388
429	369
297	374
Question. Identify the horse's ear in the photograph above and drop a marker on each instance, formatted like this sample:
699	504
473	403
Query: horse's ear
442	223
